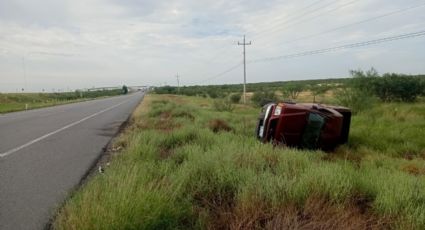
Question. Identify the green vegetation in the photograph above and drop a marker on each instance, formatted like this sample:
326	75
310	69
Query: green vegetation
367	88
263	97
223	105
359	92
235	98
388	87
292	90
124	89
220	91
185	165
18	101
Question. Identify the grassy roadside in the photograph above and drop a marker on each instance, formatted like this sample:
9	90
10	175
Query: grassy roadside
183	165
12	102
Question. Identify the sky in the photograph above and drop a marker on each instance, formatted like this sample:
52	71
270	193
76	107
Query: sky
54	45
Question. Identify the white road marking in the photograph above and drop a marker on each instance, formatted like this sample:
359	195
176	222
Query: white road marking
58	130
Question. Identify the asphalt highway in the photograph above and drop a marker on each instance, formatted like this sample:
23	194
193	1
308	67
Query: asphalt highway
44	154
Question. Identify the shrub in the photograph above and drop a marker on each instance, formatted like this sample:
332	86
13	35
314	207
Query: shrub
261	98
235	98
218	125
124	89
355	99
166	90
213	94
318	89
389	87
395	87
292	90
363	81
223	105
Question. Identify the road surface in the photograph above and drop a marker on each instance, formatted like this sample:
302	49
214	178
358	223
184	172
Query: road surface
44	154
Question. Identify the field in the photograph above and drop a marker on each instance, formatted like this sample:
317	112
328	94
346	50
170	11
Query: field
20	101
182	164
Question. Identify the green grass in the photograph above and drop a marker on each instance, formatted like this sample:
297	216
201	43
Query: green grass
176	173
393	129
11	102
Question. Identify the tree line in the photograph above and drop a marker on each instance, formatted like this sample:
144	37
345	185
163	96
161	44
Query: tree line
361	88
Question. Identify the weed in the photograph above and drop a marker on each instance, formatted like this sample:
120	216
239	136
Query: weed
223	105
217	125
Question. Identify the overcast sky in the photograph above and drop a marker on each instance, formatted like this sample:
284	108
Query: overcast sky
69	44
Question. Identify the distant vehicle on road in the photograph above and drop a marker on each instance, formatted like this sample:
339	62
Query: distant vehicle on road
304	125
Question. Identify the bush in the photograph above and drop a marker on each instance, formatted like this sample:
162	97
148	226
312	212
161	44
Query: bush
395	87
223	105
363	81
124	89
292	90
213	94
389	87
356	100
318	89
166	90
235	98
217	125
261	98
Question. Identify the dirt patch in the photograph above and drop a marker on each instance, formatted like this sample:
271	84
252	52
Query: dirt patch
317	213
413	169
165	122
218	125
174	98
272	161
408	156
344	154
184	114
165	153
216	209
166	125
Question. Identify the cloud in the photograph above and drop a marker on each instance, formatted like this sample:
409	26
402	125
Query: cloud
52	54
99	42
45	13
368	54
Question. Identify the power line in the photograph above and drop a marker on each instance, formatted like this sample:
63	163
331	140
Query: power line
307	7
225	49
315	52
348	46
298	16
308	19
219	74
330	30
355	23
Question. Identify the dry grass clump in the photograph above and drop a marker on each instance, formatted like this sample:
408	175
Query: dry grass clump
414	169
316	213
217	125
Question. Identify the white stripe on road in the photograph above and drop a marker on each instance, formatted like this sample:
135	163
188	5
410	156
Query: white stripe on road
59	130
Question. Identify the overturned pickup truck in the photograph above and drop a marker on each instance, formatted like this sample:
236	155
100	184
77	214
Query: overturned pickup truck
304	125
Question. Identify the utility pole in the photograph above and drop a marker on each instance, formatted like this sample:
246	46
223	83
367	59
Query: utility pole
178	83
24	68
244	67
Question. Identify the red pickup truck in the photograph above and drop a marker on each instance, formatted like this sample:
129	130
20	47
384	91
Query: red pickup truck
304	125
